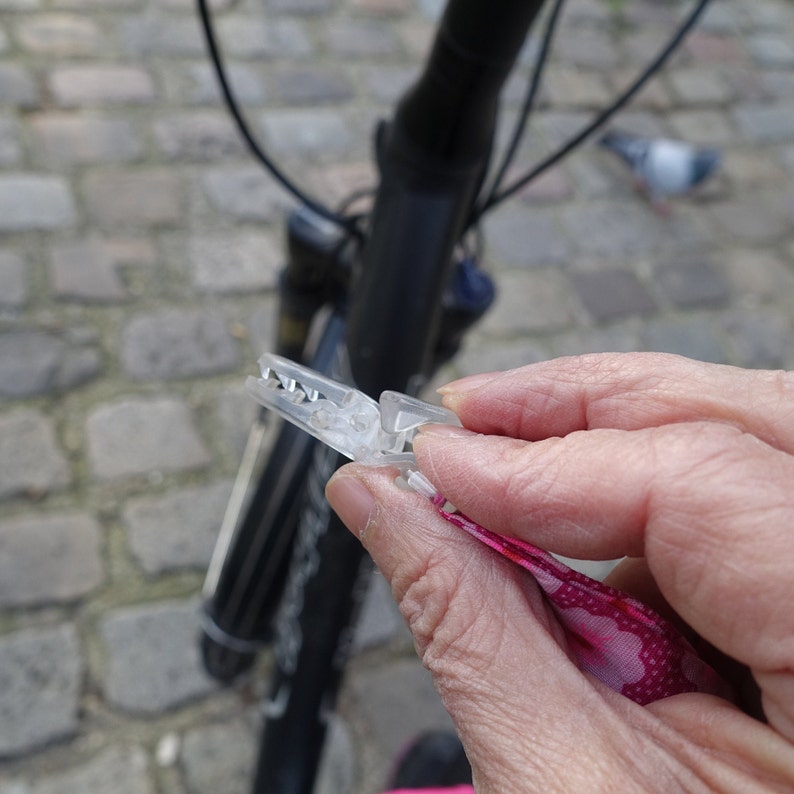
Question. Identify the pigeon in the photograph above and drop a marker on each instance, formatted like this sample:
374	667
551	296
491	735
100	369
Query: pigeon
663	167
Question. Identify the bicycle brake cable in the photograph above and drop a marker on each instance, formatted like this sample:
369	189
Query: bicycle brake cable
568	146
349	225
528	104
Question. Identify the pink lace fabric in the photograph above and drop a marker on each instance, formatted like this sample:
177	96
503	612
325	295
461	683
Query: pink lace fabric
614	637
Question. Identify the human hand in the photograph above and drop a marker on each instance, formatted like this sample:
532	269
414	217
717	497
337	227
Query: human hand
686	466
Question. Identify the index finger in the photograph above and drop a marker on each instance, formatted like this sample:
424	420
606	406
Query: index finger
627	391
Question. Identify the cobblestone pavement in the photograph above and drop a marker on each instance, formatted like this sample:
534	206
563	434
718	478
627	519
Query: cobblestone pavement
139	251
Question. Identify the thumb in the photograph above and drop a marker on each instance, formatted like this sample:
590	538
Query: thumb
482	628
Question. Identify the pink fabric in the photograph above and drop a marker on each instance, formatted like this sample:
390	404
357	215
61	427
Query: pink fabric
617	639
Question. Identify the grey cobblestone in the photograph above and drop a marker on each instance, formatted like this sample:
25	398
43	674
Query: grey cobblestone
10	146
33	363
175	343
178	530
59	35
244	192
85	86
85	271
35	201
609	294
122	770
219	758
152	657
138	270
17	86
48	559
140	436
67	139
302	132
200	135
153	197
31	462
40	678
234	263
14	282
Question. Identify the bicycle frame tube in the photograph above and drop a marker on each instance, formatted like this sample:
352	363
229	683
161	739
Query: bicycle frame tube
432	158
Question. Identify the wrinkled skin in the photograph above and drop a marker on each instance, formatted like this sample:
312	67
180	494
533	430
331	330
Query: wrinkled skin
687	469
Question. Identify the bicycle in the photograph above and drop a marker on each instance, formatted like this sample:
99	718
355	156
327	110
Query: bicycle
380	300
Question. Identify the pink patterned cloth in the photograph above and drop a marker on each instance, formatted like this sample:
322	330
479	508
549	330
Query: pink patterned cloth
617	639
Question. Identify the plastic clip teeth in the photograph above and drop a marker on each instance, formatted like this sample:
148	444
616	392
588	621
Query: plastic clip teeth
345	418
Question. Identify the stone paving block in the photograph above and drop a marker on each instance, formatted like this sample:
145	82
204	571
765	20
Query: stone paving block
30	460
152	197
236	263
692	284
10	145
77	139
178	530
199	135
177	343
568	87
715	47
750	220
771	50
479	357
520	237
589	48
85	271
760	339
152	657
247	86
380	619
697	337
756	274
14	281
59	35
48	559
122	770
35	201
18	87
611	294
778	84
300	7
537	300
159	34
40	678
245	192
219	757
32	362
612	228
102	85
140	436
306	132
702	126
700	86
388	82
307	86
360	38
404	690
766	123
236	413
257	37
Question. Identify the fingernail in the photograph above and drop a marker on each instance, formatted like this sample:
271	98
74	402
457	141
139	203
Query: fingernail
444	431
352	502
469	383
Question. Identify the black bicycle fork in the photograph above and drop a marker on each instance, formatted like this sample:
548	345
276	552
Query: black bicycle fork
432	159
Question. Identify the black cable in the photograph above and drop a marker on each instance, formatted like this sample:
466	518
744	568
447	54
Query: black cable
349	225
602	118
528	104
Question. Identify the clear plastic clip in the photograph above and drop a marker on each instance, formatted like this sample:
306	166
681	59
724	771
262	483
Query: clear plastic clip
345	418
